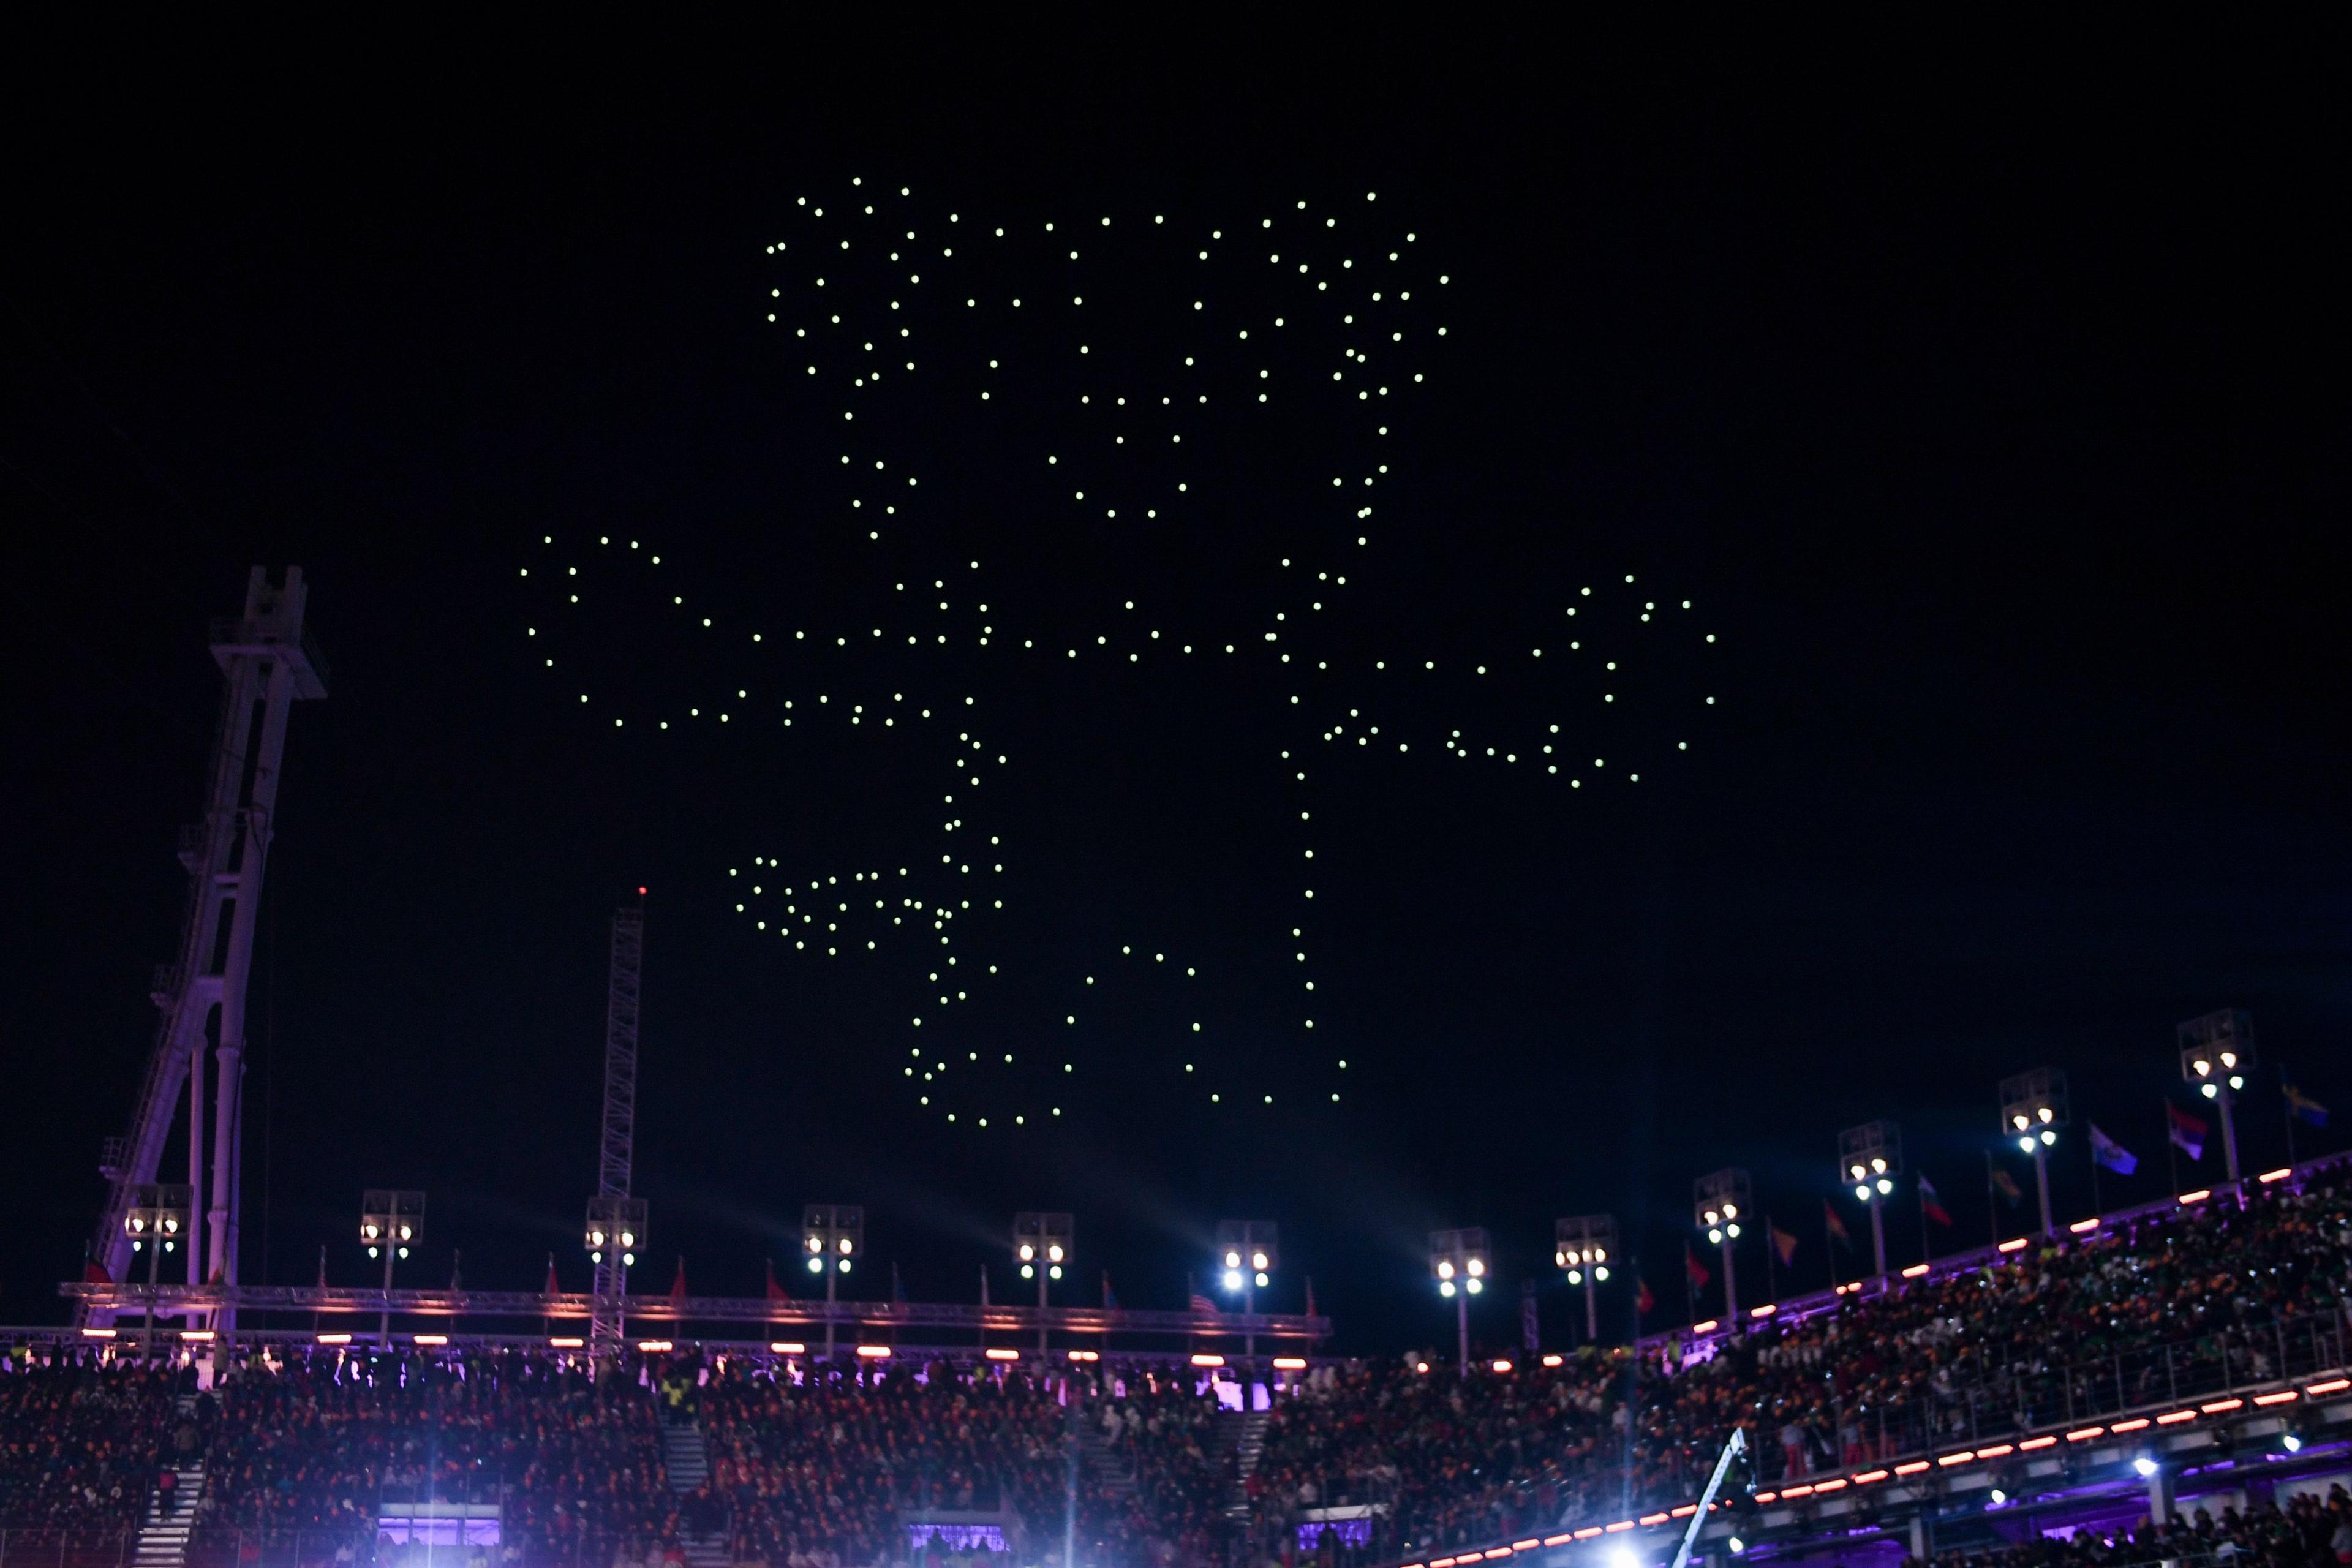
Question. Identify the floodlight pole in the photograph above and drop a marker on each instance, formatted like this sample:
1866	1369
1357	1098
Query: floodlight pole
2042	1184
1462	1331
1877	1232
830	1266
2225	1098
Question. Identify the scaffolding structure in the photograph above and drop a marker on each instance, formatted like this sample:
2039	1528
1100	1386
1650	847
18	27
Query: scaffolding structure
267	663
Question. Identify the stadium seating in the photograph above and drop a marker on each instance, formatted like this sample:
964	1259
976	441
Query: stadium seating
304	1448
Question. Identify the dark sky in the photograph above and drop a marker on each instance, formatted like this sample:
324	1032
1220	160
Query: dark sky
1992	415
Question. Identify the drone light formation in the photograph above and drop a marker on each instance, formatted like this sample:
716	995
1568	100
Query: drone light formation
1012	414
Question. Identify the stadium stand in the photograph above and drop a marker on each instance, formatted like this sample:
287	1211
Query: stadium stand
306	1454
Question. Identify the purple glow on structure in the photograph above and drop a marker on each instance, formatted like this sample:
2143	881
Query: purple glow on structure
957	1537
1350	1531
438	1532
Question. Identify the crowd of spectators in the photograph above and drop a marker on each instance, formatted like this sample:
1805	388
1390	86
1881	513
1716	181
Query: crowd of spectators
317	1442
2175	1307
814	1467
80	1443
2310	1532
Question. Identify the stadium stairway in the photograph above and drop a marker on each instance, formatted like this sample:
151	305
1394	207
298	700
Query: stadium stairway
162	1540
1244	1435
688	1461
1095	1452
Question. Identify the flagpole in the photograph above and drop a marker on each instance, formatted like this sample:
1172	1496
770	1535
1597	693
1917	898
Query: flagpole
2288	1101
1992	1200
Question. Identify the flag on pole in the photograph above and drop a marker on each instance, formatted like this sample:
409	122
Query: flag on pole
1928	1204
1110	1302
1698	1271
1644	1302
93	1272
1198	1303
775	1291
2112	1154
1837	1226
554	1287
456	1270
983	1284
2006	1185
898	1287
1310	1295
1530	1325
678	1286
2188	1133
2299	1104
1784	1245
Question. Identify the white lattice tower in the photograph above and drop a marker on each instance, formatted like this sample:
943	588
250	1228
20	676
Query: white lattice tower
620	1121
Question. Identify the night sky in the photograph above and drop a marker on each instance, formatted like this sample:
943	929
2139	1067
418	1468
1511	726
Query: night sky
1990	418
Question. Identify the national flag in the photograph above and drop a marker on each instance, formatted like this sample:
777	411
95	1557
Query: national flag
1784	1245
1644	1302
2302	1105
554	1287
678	1286
1697	1270
2007	1187
775	1291
93	1272
456	1270
1201	1304
1837	1226
1310	1295
1110	1299
1929	1206
2187	1131
2112	1154
983	1284
898	1286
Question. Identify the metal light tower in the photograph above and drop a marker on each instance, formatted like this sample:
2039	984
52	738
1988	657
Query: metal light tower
1869	1159
613	1211
833	1236
390	1223
1584	1245
1718	1202
1461	1260
1042	1244
268	663
2217	1051
156	1220
2032	1111
1248	1252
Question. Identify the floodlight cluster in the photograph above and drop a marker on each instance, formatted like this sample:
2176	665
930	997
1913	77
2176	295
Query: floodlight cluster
1120	390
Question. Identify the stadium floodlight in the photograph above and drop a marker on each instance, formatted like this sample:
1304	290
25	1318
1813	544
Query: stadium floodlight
1248	1252
2217	1051
2033	1110
832	1238
1870	1157
615	1226
1044	1244
155	1221
1721	1204
1586	1246
1461	1260
391	1221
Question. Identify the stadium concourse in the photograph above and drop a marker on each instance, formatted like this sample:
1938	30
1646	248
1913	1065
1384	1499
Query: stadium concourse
2163	1385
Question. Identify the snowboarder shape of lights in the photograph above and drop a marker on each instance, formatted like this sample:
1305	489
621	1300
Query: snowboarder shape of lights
1007	416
